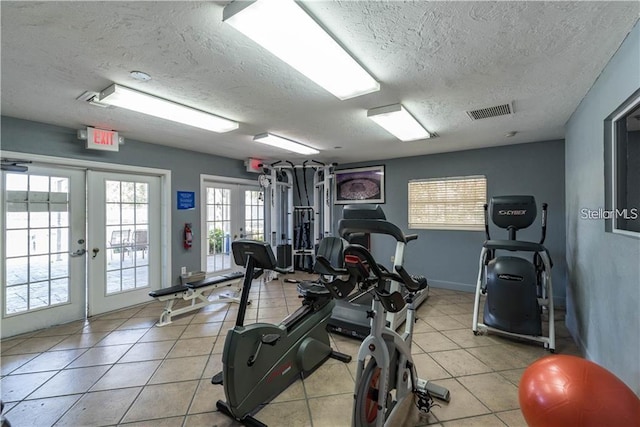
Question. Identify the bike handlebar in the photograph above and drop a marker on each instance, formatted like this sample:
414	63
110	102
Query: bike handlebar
381	273
326	266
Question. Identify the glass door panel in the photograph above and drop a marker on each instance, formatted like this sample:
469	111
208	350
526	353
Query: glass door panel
127	222
253	214
125	238
232	211
44	217
218	225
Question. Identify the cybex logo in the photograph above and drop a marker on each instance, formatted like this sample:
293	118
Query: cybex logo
513	212
510	277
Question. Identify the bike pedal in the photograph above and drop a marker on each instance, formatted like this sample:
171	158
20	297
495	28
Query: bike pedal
217	379
425	401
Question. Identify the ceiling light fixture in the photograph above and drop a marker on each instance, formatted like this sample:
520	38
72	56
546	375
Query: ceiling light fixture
286	30
141	102
396	120
284	143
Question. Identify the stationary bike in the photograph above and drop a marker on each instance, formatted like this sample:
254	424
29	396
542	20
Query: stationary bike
389	376
261	360
517	290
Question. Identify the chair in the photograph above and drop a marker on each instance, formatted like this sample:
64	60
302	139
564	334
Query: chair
119	242
140	241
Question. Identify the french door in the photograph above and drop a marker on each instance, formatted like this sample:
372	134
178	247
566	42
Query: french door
124	236
43	248
231	211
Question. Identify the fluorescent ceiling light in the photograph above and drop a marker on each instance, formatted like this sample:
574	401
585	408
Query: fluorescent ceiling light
286	30
284	143
130	99
399	122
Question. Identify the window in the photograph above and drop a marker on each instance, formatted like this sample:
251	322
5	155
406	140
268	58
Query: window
448	203
622	165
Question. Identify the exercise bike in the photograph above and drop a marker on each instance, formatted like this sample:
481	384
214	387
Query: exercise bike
389	376
261	360
517	290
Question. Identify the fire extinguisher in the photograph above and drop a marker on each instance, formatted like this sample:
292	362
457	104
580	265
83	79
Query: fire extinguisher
188	236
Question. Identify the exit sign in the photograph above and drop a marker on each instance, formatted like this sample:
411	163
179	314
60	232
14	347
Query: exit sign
100	139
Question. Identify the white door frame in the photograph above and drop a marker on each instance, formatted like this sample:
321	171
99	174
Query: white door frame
215	179
165	194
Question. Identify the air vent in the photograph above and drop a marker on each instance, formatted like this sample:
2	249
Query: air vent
485	113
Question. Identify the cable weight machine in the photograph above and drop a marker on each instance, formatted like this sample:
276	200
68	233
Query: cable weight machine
295	227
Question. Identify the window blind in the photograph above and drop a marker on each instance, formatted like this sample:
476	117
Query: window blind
448	203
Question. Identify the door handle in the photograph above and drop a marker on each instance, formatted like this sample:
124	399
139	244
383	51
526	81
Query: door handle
78	253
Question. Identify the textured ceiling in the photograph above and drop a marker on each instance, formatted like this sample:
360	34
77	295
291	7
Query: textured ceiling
439	59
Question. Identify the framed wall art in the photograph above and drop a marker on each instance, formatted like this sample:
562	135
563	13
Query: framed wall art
359	185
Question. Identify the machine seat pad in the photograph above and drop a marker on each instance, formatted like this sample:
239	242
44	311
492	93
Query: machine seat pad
514	245
214	280
312	289
235	275
168	291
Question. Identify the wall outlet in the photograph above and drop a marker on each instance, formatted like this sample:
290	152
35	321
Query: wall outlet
183	270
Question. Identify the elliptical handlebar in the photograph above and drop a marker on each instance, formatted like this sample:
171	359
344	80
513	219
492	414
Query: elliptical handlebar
486	221
544	222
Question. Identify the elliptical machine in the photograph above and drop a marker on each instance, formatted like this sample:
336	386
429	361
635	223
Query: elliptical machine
389	377
261	360
517	290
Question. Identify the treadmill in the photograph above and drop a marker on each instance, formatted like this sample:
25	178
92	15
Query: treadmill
350	317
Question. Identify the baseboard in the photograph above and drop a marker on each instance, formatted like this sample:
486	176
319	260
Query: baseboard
577	338
454	286
558	301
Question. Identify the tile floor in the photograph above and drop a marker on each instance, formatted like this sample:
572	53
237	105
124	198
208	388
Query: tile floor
120	369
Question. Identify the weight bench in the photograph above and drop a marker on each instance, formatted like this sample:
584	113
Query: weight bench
193	292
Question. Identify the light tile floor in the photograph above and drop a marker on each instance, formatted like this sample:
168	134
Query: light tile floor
120	369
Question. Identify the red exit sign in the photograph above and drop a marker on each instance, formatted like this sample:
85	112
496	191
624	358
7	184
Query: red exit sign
100	139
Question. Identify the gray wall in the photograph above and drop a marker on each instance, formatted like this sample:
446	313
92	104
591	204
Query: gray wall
603	292
186	166
450	258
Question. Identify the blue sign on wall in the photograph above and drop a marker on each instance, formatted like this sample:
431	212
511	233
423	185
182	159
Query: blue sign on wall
186	200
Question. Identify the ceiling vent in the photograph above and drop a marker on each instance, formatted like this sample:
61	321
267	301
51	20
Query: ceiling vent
485	113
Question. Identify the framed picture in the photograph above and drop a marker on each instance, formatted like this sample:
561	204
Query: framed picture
359	185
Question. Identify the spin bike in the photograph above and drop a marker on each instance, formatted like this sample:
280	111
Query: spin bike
389	376
261	360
